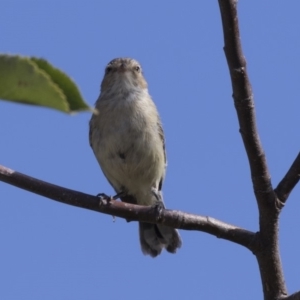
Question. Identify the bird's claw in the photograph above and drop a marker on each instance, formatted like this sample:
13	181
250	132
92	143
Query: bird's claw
104	199
158	207
118	195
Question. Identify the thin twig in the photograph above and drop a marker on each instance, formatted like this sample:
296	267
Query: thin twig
295	296
243	99
289	181
132	212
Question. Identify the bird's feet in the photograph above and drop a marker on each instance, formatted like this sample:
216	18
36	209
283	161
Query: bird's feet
105	199
119	195
158	206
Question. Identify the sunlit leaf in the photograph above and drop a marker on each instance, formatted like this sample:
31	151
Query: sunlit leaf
35	81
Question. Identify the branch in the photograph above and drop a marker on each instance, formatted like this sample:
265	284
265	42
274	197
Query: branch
268	256
295	296
243	100
132	212
289	181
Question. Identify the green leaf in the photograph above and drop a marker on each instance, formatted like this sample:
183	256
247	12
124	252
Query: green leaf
35	81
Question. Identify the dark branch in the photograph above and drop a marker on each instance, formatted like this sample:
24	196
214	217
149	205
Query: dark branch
295	296
268	256
243	100
132	212
289	181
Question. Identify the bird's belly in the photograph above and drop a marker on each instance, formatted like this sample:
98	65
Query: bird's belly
131	161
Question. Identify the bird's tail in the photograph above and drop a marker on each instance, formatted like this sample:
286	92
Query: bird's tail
155	237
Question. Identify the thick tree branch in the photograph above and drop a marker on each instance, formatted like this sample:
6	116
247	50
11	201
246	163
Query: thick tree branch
132	212
268	256
289	181
243	100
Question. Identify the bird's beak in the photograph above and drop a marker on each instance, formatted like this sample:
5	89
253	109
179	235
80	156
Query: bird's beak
122	68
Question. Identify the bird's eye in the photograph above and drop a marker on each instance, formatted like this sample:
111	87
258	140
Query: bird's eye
108	69
137	68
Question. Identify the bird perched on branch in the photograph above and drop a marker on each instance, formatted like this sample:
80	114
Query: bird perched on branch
128	141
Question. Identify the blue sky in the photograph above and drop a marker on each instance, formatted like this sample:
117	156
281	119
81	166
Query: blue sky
54	251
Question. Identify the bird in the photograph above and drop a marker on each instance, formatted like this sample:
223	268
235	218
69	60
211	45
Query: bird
127	138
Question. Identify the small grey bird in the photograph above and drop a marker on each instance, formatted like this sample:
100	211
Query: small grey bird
128	141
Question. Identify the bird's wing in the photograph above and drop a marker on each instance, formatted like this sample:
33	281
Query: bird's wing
162	136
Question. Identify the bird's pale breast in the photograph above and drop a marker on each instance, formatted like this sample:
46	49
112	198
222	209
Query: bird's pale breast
128	146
